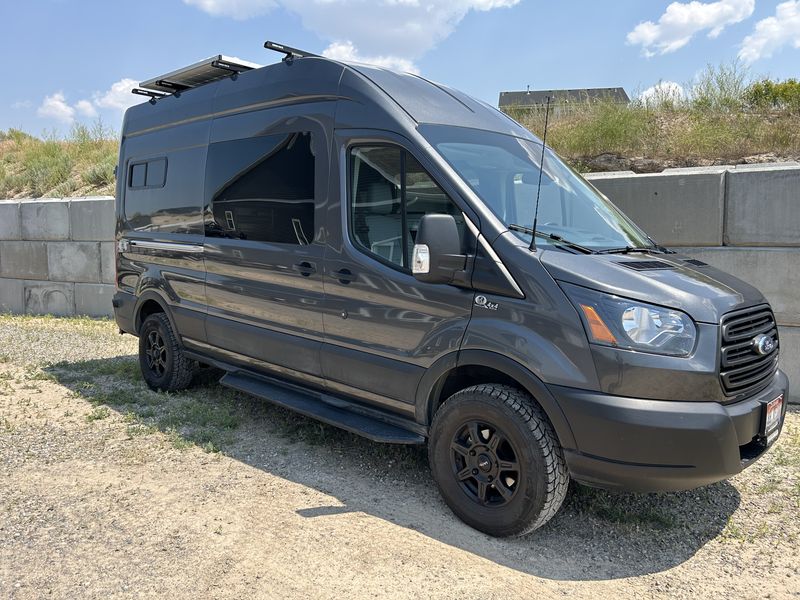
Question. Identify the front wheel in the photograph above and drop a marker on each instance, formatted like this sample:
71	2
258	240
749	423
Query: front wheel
497	461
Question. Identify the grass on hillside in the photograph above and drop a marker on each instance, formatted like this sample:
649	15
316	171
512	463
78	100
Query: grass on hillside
82	164
685	135
723	116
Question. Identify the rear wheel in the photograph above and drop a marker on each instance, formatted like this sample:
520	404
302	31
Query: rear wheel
497	461
164	365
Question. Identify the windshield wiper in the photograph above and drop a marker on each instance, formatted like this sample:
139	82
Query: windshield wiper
550	236
629	250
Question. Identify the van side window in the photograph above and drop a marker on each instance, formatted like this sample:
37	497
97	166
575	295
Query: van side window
151	173
390	192
262	189
154	202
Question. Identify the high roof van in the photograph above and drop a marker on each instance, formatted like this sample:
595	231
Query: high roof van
393	257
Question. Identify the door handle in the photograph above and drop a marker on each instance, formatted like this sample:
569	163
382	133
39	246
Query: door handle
305	269
344	276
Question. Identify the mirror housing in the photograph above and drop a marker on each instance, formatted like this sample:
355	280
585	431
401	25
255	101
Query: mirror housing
437	254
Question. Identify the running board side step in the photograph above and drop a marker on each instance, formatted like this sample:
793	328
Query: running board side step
311	406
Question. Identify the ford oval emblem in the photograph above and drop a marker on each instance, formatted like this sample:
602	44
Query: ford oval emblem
763	344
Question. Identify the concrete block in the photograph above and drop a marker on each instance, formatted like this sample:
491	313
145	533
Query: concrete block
774	271
94	299
683	208
108	258
23	260
74	261
11	296
9	220
763	206
92	219
790	360
47	298
45	219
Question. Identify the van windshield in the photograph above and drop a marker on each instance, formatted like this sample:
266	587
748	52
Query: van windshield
503	171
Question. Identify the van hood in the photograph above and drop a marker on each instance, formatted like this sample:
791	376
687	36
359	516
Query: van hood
698	289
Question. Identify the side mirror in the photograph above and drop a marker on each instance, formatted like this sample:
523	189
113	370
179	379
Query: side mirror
437	250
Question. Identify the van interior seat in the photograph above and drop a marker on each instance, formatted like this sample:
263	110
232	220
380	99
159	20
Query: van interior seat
382	227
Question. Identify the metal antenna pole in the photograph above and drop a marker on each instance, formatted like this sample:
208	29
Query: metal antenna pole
532	247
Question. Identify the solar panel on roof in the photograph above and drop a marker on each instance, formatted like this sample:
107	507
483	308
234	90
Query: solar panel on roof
200	73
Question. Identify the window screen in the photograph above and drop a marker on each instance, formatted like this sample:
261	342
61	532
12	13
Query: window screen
390	193
263	189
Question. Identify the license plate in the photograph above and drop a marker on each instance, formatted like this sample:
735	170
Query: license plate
773	417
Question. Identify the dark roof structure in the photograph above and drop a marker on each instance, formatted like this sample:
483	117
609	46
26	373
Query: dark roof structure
585	96
365	95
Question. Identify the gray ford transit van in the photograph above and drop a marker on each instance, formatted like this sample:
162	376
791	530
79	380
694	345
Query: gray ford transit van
356	245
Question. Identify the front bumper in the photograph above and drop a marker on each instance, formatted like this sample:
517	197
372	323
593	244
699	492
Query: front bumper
658	446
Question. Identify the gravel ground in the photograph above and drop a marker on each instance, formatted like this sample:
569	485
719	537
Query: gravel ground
110	490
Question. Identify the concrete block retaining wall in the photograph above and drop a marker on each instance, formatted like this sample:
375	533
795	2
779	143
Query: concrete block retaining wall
57	256
744	220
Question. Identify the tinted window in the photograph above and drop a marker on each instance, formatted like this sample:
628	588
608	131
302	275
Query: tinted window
262	189
155	203
138	174
156	172
390	193
152	173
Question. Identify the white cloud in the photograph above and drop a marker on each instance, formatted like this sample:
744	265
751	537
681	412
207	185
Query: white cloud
346	51
118	96
664	92
682	20
237	9
86	108
394	32
56	107
772	33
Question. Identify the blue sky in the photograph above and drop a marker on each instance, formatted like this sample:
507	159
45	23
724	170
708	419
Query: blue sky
71	61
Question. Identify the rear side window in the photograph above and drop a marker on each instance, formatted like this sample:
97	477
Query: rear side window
151	173
165	194
390	192
263	189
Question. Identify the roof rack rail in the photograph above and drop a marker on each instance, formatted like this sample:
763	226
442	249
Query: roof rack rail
151	93
195	75
290	52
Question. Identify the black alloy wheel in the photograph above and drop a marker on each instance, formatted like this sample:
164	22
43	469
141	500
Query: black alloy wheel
496	460
485	463
156	353
164	364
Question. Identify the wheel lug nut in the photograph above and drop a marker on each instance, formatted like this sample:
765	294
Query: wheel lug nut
474	471
472	452
491	478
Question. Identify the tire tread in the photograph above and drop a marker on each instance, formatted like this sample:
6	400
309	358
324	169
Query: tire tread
537	423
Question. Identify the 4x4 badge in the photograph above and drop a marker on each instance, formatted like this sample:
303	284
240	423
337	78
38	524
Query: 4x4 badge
484	302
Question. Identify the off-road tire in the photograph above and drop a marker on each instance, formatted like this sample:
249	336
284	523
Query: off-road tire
172	371
542	472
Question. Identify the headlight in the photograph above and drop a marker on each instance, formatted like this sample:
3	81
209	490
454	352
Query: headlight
622	323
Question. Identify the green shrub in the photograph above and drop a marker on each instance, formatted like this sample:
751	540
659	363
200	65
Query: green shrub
768	95
82	163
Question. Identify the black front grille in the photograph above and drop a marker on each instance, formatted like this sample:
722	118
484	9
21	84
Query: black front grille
742	367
